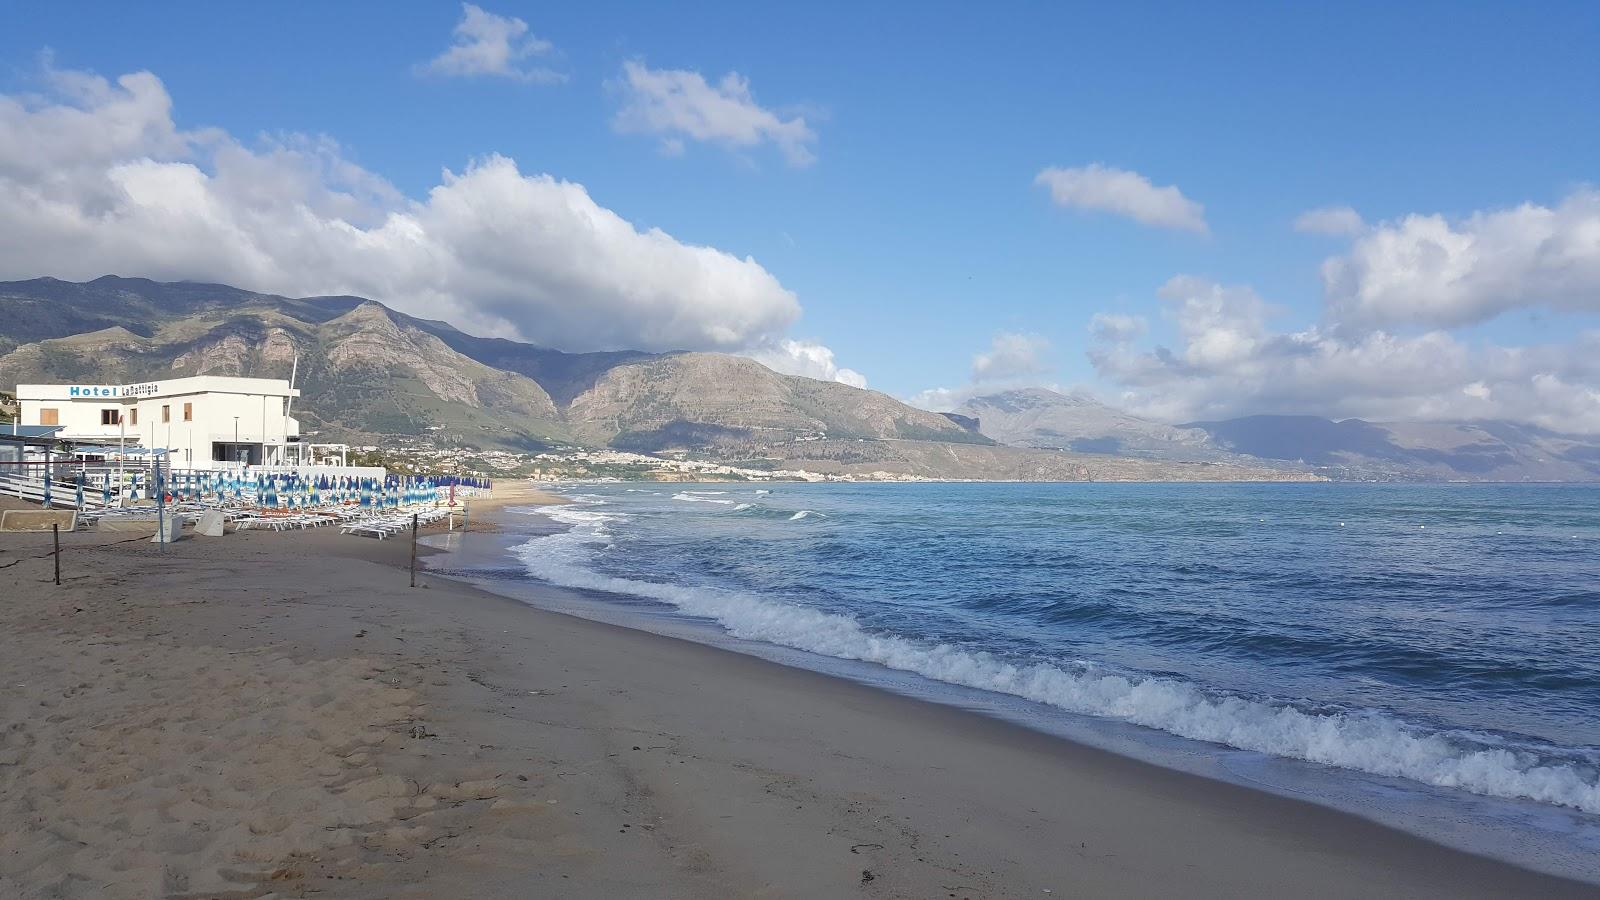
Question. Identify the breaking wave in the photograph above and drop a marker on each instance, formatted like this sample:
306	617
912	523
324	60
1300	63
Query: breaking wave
694	497
1363	740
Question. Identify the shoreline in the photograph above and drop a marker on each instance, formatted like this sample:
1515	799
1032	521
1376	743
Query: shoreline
559	755
1324	787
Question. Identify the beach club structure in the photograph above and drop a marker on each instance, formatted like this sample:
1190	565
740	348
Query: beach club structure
203	422
190	446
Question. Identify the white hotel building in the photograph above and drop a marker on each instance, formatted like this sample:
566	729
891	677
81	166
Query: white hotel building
204	422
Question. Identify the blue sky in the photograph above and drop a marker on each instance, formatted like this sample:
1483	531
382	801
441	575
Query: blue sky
918	233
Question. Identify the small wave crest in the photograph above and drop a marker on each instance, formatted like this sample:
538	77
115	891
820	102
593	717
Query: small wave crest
592	522
806	514
694	497
1363	740
763	511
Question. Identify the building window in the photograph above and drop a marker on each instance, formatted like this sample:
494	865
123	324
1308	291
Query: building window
166	414
109	417
133	416
49	416
188	412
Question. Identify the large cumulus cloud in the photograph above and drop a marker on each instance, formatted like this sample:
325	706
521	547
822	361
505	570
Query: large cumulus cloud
1229	361
1390	342
1437	271
96	177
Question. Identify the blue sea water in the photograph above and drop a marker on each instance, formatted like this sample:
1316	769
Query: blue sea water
1421	654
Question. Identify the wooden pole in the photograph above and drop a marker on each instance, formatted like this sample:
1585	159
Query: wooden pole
161	504
413	549
55	534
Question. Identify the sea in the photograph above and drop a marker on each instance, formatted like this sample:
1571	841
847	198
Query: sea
1426	656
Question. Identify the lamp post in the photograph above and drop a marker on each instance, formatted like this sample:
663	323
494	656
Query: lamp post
235	439
122	454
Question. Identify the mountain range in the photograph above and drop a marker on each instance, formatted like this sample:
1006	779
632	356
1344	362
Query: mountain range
1035	417
366	371
1350	449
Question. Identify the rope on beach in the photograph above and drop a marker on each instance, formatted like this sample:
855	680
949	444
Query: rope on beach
22	559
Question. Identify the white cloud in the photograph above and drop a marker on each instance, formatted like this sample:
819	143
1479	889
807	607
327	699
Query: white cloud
1013	359
806	358
1337	221
1366	360
1432	271
1117	328
1219	324
95	178
1229	363
941	399
1124	193
1011	355
675	104
487	44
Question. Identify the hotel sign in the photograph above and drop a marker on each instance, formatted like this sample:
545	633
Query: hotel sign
148	389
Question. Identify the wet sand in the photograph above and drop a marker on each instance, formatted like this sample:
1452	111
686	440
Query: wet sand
272	714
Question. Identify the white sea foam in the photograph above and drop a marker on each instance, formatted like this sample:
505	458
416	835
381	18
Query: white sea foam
693	497
1366	741
592	522
743	506
806	513
763	491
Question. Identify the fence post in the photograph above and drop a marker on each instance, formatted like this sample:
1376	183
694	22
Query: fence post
413	549
161	504
55	534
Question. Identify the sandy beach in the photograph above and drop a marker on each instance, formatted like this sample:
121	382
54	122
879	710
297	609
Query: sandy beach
279	715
